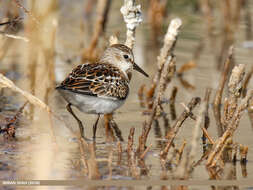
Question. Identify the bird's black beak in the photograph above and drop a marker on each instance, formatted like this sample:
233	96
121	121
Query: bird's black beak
137	68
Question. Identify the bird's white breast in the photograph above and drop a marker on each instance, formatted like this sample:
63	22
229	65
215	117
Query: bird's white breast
92	104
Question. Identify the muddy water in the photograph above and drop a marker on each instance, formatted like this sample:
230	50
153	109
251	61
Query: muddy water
45	152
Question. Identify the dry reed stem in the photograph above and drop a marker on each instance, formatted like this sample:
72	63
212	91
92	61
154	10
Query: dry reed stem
131	156
12	122
92	163
172	103
119	150
161	88
195	138
235	153
218	95
110	158
142	156
102	9
246	82
142	139
173	132
130	141
243	153
244	170
132	17
169	42
141	95
205	133
180	152
250	113
206	119
232	126
234	87
116	129
5	82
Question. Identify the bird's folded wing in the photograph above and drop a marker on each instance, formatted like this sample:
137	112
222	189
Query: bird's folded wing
94	79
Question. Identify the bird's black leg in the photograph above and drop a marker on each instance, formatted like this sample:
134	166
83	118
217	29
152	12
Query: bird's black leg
78	120
95	127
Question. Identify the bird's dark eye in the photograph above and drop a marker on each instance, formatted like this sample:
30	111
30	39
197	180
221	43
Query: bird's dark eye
126	56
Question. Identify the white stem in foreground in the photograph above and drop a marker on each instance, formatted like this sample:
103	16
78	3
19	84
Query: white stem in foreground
132	18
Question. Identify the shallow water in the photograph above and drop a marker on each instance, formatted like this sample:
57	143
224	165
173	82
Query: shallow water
36	154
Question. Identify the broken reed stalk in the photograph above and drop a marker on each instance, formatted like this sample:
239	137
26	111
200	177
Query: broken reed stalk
169	43
10	127
88	158
131	156
174	130
166	69
157	101
232	126
218	95
5	82
244	91
132	17
234	88
195	138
